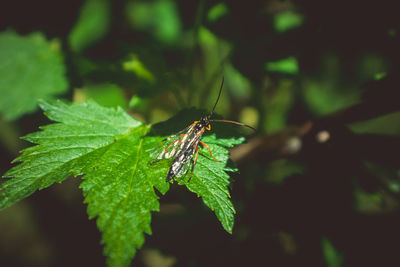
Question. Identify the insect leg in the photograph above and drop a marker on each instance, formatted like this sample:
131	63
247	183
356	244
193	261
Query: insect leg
194	163
206	146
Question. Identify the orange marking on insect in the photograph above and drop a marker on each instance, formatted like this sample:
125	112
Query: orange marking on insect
197	153
206	146
179	141
194	164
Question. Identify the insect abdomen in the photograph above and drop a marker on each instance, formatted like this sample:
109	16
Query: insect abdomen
170	175
177	166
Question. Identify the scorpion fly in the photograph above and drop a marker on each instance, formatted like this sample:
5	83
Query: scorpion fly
184	145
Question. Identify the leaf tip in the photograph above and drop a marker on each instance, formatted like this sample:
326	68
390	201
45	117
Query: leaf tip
43	104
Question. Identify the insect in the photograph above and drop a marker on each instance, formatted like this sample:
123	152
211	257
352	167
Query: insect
184	145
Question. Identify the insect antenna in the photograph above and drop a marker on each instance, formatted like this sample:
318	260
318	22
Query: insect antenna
219	94
236	123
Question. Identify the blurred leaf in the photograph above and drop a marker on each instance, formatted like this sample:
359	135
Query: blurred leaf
249	116
214	51
367	203
380	75
216	12
154	258
30	69
287	66
158	114
389	176
207	72
93	24
9	134
277	171
83	65
286	21
207	39
278	106
372	66
135	101
136	66
325	92
138	103
107	95
160	18
111	150
324	98
237	83
333	258
386	125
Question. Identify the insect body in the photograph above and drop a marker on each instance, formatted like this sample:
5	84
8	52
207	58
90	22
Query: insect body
183	146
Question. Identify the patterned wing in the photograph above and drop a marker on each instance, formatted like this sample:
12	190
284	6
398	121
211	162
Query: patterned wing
171	145
188	162
167	148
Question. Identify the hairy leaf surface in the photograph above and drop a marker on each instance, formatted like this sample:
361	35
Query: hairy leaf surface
110	150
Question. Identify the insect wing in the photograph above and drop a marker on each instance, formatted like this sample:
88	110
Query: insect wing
188	162
167	148
171	145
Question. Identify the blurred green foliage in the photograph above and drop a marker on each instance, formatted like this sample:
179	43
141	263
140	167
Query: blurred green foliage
136	66
237	83
216	12
381	125
107	95
333	258
287	65
31	68
286	21
92	25
160	18
278	104
326	92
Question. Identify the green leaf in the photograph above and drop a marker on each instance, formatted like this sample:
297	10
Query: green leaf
325	93
63	147
372	66
93	24
333	258
237	83
287	65
138	103
31	68
106	94
138	68
385	125
111	151
278	105
286	21
323	98
210	181
160	18
217	11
